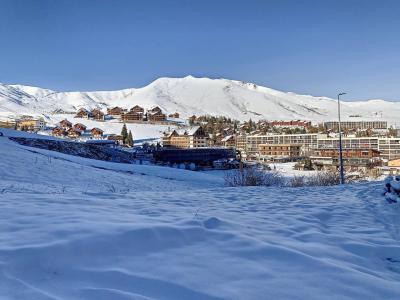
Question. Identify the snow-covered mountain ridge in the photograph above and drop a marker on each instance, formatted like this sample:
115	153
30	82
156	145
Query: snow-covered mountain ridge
190	95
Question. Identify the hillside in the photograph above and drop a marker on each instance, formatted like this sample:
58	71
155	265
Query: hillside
190	95
75	228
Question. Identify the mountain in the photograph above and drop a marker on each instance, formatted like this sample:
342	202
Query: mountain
190	95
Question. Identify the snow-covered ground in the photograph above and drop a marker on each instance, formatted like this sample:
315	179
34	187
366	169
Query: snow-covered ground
73	228
287	169
42	171
114	126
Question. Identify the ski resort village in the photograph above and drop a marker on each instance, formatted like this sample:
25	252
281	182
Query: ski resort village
199	150
370	145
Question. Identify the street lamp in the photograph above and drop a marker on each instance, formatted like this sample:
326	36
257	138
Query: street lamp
340	142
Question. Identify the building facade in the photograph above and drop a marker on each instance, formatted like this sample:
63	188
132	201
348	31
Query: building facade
354	125
96	132
353	159
290	124
389	148
97	114
115	111
156	116
132	116
65	124
83	113
31	124
194	137
308	142
279	152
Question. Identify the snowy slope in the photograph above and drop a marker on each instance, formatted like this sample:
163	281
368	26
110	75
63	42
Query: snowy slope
190	95
42	171
174	234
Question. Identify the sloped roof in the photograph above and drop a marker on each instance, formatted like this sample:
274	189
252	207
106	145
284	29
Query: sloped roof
65	121
184	131
188	131
169	134
96	129
227	138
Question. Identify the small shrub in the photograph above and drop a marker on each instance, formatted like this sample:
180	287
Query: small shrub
257	177
274	179
297	181
318	179
323	179
252	177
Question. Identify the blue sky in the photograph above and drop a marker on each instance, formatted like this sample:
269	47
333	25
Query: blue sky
311	47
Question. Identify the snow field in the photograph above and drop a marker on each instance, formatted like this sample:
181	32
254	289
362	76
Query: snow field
164	233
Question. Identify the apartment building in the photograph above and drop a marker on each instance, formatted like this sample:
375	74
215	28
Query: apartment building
348	125
240	145
31	124
308	142
354	159
389	148
279	152
290	124
348	143
193	137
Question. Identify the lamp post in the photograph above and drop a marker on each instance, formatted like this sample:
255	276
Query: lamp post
340	142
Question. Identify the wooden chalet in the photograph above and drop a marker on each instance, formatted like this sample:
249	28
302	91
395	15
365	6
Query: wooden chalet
119	139
174	115
156	116
65	124
83	113
115	111
97	114
155	110
80	127
58	131
132	116
137	109
74	133
96	132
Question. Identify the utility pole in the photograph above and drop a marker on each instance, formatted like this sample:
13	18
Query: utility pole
340	142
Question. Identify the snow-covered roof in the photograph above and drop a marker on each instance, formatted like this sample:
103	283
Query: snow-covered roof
183	131
188	131
227	138
170	133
